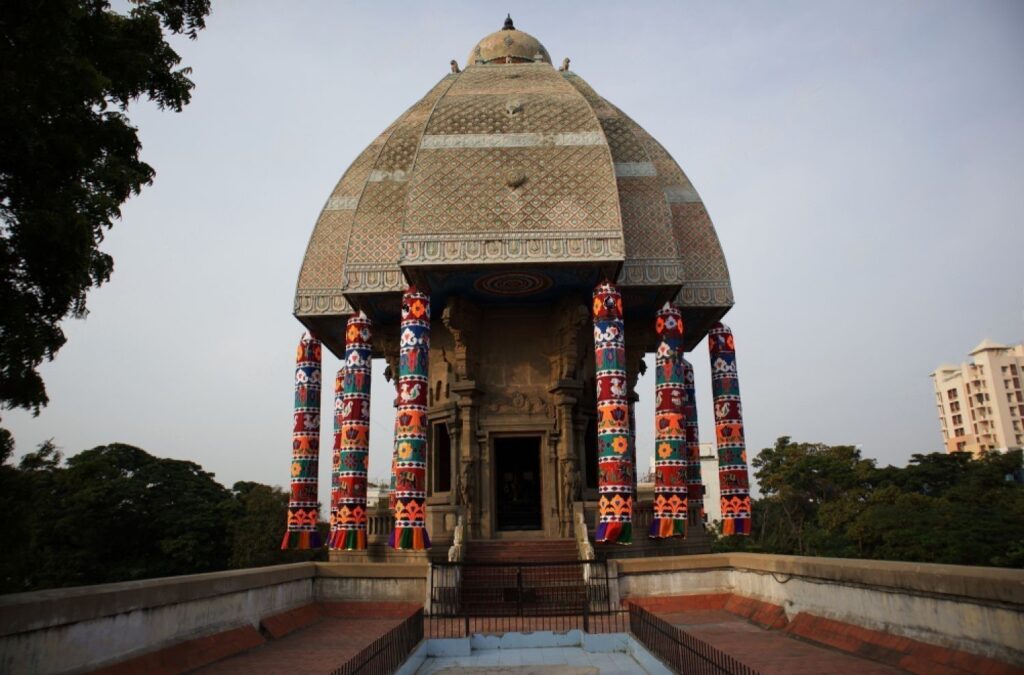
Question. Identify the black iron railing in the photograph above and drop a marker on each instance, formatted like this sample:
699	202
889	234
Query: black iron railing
468	598
385	654
683	652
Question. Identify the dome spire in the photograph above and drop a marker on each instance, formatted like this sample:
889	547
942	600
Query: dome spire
508	23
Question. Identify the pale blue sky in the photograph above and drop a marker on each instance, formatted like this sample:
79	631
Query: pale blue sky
863	163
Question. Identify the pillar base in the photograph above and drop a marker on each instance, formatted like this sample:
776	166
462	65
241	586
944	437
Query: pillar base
391	555
350	556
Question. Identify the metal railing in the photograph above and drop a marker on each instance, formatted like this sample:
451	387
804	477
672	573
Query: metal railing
385	654
467	598
683	652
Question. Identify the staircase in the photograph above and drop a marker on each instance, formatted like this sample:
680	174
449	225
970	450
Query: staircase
505	578
514	552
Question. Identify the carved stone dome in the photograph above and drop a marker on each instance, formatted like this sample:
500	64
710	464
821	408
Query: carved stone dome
508	45
512	169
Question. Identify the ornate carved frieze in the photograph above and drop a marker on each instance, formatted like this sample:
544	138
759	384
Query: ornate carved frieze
681	194
706	294
519	401
321	301
634	169
342	203
522	140
666	272
373	279
470	249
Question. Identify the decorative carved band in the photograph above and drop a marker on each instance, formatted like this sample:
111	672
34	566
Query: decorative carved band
373	278
381	176
472	249
666	272
635	169
706	294
527	140
327	301
342	204
681	194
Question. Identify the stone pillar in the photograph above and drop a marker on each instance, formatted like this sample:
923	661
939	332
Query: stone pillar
614	471
303	505
732	455
462	319
694	483
348	488
565	395
469	495
410	463
670	451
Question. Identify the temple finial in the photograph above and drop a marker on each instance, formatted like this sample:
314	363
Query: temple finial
508	23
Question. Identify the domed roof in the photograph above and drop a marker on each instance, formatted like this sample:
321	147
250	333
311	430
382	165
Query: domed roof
508	45
513	167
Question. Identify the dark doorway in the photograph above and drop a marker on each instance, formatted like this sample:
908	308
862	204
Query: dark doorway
517	483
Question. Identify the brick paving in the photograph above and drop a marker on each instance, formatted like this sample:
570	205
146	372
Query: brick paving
769	651
315	649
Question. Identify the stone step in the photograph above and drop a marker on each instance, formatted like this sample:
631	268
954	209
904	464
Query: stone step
549	550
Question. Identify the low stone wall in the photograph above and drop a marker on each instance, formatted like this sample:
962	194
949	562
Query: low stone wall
978	610
912	615
205	617
372	581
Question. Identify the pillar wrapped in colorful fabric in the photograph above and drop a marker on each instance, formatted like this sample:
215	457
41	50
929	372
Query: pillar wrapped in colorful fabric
339	395
615	483
670	448
303	505
348	495
410	463
732	455
694	481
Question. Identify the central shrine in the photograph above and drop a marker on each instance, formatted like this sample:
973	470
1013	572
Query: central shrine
512	245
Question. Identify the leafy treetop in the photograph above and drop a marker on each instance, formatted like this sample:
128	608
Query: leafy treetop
69	157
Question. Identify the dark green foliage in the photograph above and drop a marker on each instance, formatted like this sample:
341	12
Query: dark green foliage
259	526
69	157
116	513
941	508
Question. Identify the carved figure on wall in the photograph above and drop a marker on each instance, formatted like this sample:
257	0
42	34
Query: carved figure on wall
572	317
466	484
571	485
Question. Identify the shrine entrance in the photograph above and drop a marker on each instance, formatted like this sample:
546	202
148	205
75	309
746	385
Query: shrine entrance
517	482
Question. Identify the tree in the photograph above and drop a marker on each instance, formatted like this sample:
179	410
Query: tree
69	157
941	508
115	513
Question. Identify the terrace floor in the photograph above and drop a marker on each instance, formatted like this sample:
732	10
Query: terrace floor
315	649
771	652
332	640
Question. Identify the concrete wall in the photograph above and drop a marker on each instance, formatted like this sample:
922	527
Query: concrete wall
973	609
74	630
380	582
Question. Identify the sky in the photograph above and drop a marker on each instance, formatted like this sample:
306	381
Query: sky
863	164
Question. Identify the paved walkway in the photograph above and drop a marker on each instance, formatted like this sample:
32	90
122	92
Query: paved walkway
316	649
769	651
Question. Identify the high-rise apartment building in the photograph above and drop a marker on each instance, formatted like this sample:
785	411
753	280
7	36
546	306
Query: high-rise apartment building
981	404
